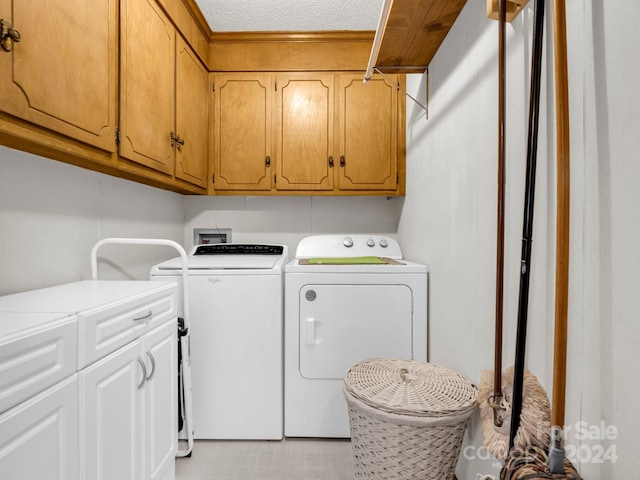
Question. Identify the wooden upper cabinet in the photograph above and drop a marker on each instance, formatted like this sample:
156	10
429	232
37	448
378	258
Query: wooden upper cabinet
242	131
192	116
62	75
368	133
304	132
331	134
147	101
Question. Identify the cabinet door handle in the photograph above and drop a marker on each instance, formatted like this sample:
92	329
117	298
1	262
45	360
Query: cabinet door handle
343	161
331	162
175	140
8	36
149	314
179	143
144	373
267	161
153	365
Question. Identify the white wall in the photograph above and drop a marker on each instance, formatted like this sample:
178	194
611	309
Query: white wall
448	219
287	220
51	215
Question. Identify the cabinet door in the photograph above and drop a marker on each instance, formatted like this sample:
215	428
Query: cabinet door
304	132
192	116
242	132
62	75
39	437
147	101
110	421
161	400
368	133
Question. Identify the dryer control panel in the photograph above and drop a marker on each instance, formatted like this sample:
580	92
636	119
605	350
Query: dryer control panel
339	246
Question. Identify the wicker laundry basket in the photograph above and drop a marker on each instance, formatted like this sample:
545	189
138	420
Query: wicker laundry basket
407	418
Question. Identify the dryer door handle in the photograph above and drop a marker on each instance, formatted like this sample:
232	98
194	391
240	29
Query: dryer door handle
311	331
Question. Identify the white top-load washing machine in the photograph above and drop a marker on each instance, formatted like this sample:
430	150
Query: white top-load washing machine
347	298
236	309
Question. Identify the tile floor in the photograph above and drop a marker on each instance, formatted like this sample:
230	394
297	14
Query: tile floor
289	459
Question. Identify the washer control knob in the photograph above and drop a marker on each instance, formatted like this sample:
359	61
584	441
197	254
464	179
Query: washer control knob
348	242
371	242
384	243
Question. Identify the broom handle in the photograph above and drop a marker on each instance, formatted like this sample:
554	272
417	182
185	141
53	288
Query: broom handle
529	196
497	370
562	220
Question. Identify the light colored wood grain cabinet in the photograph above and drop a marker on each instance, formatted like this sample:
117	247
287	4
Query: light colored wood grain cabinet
62	74
304	124
147	106
192	116
242	132
163	95
308	133
368	133
112	88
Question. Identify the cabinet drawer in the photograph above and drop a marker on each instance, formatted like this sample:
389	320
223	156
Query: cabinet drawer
104	330
33	360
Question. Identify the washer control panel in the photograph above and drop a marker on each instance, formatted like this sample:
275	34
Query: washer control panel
337	246
237	249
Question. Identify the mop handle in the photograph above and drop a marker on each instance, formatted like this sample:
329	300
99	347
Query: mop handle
525	266
562	222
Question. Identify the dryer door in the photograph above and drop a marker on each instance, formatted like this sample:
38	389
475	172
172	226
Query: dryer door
341	325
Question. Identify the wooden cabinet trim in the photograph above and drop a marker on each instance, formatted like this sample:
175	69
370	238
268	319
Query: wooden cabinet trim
289	51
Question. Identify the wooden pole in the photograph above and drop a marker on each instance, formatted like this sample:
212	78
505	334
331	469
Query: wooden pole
562	220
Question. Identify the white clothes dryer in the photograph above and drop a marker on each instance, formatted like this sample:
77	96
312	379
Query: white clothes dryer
236	309
348	298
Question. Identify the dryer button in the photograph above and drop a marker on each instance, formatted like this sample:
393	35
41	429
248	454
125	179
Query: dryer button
371	242
348	242
310	295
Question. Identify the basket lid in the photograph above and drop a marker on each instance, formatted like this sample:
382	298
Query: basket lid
410	387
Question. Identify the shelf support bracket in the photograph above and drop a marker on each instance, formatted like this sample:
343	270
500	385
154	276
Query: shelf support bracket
415	100
514	7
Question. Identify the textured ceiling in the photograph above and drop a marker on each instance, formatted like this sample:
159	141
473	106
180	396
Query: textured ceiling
290	15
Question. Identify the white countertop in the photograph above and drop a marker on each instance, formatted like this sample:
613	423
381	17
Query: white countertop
75	297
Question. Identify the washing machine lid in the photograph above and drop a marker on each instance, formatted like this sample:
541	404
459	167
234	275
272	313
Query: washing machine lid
230	256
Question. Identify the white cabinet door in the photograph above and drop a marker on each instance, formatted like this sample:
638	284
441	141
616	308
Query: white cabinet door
161	400
39	437
110	421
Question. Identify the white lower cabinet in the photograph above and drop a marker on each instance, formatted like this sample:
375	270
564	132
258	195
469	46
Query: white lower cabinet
128	410
39	437
111	350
